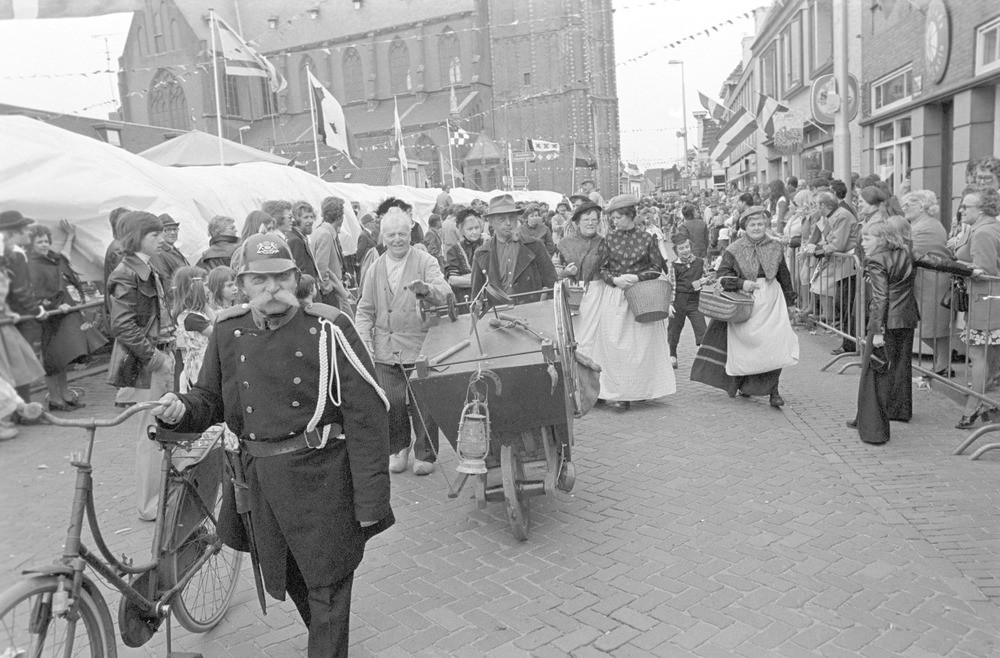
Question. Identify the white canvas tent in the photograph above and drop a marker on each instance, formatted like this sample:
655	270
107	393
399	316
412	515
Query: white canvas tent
198	149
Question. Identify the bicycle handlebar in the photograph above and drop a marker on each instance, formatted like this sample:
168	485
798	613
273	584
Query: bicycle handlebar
93	423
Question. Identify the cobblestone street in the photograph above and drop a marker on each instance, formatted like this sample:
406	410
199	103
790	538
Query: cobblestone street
699	525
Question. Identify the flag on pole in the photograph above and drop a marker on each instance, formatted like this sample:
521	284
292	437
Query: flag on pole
767	107
31	9
241	59
583	157
398	136
544	150
331	126
741	126
715	109
459	137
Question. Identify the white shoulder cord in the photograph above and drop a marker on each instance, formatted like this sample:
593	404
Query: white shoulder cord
326	382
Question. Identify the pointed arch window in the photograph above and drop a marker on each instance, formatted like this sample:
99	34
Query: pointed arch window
168	105
354	79
399	67
450	56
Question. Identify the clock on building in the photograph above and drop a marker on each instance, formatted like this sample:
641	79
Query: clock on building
937	40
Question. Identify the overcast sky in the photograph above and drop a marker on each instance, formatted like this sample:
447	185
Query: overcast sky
43	62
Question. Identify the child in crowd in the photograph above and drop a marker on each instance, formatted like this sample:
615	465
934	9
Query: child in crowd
222	289
688	271
306	290
194	322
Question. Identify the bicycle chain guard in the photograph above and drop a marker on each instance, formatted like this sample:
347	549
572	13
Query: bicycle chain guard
137	627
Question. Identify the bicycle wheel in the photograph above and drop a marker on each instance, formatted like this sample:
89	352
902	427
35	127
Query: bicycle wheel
28	627
204	600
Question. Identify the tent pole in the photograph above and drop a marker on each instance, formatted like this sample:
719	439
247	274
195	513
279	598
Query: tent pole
215	79
572	183
312	113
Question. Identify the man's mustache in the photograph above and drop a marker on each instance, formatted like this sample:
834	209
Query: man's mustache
283	296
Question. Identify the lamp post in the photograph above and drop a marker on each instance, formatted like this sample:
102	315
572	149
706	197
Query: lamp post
680	62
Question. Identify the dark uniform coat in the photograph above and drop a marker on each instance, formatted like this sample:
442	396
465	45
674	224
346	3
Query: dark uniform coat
264	384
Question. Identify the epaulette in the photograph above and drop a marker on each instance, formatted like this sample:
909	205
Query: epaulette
323	311
232	312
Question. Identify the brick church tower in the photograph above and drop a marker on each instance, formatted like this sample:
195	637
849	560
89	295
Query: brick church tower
553	65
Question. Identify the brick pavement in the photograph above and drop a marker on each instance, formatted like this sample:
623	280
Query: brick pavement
699	526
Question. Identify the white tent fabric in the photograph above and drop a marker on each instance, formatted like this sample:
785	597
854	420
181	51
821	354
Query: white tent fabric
198	149
49	174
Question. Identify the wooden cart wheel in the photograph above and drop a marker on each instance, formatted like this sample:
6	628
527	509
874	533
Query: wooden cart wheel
517	506
479	484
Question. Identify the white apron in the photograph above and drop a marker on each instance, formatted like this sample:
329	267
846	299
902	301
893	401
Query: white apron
766	341
634	357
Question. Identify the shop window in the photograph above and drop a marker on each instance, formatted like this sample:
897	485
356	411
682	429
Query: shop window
893	141
821	29
892	90
988	47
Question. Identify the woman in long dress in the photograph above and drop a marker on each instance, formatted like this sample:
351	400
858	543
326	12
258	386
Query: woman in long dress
609	333
747	357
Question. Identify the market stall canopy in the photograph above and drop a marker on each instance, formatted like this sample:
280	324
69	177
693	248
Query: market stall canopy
198	149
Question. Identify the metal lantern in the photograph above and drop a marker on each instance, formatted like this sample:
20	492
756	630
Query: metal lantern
473	439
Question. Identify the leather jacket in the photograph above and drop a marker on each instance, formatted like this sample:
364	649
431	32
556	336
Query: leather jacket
134	321
893	304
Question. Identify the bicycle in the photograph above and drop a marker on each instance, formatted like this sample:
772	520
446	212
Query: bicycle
190	575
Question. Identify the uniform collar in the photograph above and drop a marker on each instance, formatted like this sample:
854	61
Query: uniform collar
273	322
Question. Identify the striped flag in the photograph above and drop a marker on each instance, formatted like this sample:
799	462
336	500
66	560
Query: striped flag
741	126
30	9
715	109
398	136
767	107
241	59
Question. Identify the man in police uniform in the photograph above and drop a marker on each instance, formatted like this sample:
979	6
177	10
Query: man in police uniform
296	385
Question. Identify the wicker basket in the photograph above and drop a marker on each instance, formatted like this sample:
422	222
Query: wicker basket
574	295
649	300
720	304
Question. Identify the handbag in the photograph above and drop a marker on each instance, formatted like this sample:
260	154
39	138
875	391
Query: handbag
719	304
957	296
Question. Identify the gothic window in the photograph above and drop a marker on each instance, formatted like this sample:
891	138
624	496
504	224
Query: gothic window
477	180
354	80
168	106
158	38
399	67
231	95
449	53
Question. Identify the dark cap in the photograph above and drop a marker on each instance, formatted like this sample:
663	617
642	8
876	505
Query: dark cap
168	221
12	219
584	207
266	254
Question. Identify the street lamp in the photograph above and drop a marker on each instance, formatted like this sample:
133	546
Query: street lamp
242	128
680	62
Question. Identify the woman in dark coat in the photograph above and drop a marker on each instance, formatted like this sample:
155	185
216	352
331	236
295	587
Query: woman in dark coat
143	333
458	260
63	340
885	392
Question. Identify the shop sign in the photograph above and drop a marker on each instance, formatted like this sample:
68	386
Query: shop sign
787	138
825	101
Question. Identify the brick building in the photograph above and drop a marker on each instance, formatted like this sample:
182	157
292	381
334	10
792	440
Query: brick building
930	92
502	70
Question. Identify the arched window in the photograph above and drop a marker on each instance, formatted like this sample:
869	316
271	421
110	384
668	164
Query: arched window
168	106
175	35
477	180
354	78
450	56
399	67
159	40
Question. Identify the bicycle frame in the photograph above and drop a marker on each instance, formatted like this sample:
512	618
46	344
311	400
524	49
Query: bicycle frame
76	555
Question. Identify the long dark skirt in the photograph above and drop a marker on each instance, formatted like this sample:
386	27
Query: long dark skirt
63	342
885	391
710	366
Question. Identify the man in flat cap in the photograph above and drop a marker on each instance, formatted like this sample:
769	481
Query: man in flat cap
168	259
297	386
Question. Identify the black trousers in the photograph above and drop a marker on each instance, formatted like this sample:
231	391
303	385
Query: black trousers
404	415
326	611
685	308
846	292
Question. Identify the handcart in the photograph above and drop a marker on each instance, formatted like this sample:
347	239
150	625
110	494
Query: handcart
504	386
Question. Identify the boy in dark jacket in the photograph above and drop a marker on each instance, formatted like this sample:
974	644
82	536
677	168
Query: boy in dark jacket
688	270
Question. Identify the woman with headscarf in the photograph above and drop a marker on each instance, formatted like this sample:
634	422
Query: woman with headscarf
929	238
609	333
143	330
885	391
747	357
458	264
577	254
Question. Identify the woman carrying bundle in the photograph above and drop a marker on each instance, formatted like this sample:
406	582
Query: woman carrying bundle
747	357
609	332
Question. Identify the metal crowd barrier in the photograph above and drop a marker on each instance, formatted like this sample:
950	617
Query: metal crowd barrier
831	295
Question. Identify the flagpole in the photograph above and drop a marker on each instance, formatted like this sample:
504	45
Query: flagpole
215	80
312	114
451	156
572	181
